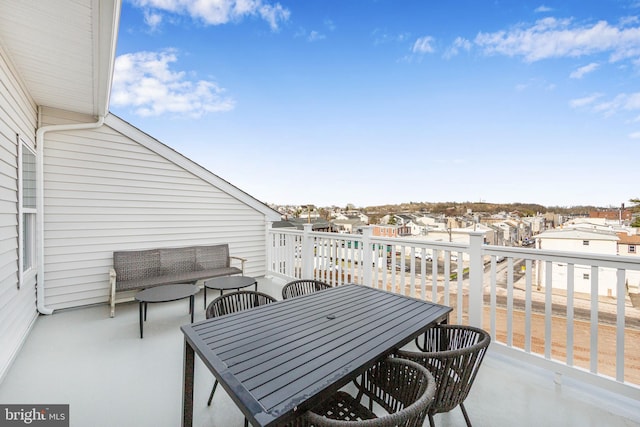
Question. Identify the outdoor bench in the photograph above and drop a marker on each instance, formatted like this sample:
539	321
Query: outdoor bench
141	269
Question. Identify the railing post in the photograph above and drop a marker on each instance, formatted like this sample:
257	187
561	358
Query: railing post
308	257
367	256
476	273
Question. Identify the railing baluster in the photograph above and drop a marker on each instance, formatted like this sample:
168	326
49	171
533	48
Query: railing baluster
459	293
527	305
494	285
412	268
434	279
594	320
548	303
445	283
423	279
620	323
510	302
570	312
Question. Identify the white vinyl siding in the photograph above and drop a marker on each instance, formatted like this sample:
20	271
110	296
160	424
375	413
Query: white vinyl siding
18	114
105	191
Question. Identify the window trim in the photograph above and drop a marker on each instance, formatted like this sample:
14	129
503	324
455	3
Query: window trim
22	210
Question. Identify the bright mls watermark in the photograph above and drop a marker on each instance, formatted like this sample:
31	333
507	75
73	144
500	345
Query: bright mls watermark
34	415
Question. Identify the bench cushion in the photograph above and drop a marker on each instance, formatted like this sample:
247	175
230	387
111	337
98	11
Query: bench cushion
169	279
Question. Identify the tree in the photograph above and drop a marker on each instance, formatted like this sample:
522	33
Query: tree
635	208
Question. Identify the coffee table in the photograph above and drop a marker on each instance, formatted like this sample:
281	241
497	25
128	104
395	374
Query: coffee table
228	282
165	293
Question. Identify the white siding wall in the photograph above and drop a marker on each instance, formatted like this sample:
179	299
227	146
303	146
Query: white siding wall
582	274
18	115
105	192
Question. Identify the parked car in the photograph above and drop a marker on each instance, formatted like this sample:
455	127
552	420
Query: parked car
419	255
407	267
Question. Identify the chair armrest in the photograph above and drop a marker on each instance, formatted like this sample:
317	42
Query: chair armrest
242	261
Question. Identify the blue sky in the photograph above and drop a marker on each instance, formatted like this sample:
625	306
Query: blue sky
375	102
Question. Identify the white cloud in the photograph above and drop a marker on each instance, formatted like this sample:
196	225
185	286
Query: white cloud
423	45
542	9
634	135
310	36
315	36
144	82
458	44
382	37
331	26
580	72
624	102
583	102
153	20
558	38
274	14
536	84
216	12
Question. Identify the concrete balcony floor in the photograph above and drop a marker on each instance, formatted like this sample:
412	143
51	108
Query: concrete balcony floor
111	377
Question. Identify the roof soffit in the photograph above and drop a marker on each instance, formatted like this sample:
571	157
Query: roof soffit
63	50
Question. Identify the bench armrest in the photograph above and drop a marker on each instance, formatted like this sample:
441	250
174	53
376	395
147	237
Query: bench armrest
242	261
112	296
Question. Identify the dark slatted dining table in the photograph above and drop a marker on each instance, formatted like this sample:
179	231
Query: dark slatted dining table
278	360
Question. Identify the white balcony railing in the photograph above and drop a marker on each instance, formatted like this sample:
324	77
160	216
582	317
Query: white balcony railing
566	311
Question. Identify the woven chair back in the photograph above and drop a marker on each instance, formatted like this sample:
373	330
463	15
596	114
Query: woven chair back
404	388
237	301
453	354
302	287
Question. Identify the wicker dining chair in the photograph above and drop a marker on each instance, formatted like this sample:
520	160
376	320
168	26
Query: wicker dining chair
302	287
231	303
453	354
404	390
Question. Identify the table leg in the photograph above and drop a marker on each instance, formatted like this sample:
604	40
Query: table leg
141	322
192	303
187	386
205	297
145	311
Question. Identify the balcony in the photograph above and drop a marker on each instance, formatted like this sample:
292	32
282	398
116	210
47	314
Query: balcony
584	374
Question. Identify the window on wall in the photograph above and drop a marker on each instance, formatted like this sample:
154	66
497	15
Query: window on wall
632	249
27	208
585	243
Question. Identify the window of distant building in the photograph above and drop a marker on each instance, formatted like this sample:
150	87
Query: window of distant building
632	249
585	243
585	276
27	209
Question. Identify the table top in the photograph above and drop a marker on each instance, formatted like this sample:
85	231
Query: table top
166	293
278	360
230	282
